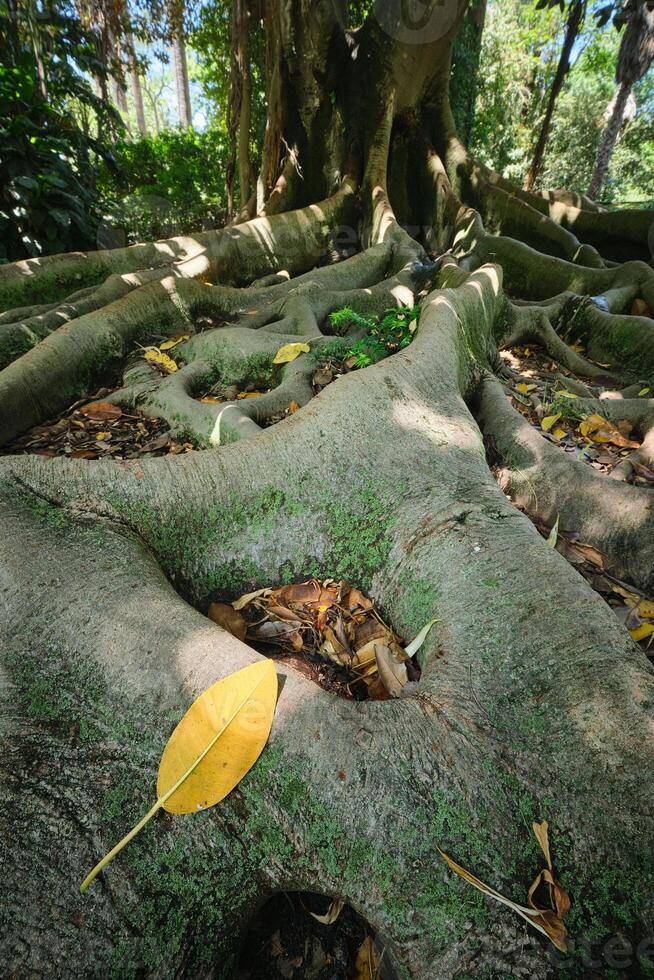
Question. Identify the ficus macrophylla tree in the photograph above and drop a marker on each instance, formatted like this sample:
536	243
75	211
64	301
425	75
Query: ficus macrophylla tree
534	702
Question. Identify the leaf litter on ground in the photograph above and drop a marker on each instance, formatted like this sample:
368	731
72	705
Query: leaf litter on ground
99	430
331	631
601	445
535	388
632	607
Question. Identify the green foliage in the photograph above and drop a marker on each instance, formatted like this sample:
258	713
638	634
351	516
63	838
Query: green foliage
164	185
48	201
520	50
465	68
383	336
579	121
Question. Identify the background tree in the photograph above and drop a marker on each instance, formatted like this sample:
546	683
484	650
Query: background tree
634	58
178	47
574	23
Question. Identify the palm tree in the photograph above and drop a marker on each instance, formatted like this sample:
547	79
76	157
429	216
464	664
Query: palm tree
634	58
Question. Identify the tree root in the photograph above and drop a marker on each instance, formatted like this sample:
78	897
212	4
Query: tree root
617	520
382	480
493	688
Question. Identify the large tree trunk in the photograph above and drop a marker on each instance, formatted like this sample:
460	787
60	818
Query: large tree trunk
533	702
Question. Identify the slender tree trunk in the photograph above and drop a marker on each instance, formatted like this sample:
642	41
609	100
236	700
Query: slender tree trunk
181	81
239	107
137	92
120	98
575	20
608	141
152	98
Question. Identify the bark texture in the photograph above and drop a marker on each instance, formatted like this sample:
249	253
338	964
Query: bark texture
534	703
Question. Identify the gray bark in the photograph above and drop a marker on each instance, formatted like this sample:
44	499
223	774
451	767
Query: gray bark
137	92
511	722
181	82
608	141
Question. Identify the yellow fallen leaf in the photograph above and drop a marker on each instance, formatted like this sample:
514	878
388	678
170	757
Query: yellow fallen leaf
599	429
630	598
210	400
553	536
642	632
154	355
566	394
249	394
525	388
549	421
646	609
643	391
559	433
217	741
173	342
293	407
368	961
289	352
417	642
102	435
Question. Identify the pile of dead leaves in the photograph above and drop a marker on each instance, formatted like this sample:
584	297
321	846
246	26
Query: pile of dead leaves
593	439
633	608
599	443
330	371
229	393
330	622
98	430
289	939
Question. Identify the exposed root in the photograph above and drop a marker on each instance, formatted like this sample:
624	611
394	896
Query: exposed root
533	325
382	480
616	519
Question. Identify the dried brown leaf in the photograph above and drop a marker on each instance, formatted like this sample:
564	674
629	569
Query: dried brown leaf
228	617
392	674
101	411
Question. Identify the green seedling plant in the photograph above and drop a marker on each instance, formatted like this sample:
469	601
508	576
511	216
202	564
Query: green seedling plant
384	335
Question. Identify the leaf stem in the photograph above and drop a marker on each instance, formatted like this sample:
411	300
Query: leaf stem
120	845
